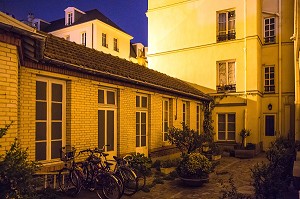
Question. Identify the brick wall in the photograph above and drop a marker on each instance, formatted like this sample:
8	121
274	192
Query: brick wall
8	93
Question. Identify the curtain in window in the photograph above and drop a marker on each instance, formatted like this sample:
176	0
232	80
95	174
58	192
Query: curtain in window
222	74
231	73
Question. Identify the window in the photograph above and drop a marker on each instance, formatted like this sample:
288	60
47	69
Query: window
104	40
67	37
270	30
83	38
226	26
116	45
165	118
70	18
269	79
198	118
141	120
184	113
226	76
107	118
226	127
269	125
50	118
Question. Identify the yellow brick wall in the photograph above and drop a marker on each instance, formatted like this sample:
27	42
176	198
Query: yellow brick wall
155	122
8	93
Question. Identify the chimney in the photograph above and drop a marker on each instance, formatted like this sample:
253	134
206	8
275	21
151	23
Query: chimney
30	17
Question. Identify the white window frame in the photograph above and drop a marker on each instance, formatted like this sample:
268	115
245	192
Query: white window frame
104	40
227	34
69	18
219	84
49	82
140	110
226	126
165	118
184	113
116	45
198	118
265	115
268	38
268	86
83	38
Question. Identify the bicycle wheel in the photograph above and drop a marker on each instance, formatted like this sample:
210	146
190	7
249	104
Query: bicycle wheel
68	182
120	183
130	181
141	178
107	186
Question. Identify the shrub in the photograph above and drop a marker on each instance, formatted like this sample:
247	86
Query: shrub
230	191
272	178
141	163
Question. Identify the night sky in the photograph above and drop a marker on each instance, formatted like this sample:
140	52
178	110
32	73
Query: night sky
130	15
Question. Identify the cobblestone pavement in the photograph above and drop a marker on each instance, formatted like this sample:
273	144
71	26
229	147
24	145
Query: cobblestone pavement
238	169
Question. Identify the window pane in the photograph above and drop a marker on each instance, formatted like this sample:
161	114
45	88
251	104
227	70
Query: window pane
166	105
143	118
272	20
137	129
166	127
110	130
231	73
221	135
231	126
57	92
231	117
231	136
221	117
165	137
56	111
40	131
222	74
270	125
137	117
144	102
143	141
56	129
137	101
137	141
110	97
271	69
55	149
40	151
143	129
101	96
41	110
221	126
101	128
41	90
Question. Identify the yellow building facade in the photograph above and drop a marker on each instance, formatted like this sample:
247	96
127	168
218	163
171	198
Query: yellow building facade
240	51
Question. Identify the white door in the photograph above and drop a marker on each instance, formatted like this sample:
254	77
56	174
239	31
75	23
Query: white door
269	134
141	133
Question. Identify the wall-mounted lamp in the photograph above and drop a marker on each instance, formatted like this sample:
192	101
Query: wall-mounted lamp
270	106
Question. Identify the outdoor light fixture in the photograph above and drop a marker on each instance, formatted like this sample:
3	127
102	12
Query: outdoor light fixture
270	106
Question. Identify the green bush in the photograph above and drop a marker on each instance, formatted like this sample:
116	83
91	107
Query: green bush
141	163
272	178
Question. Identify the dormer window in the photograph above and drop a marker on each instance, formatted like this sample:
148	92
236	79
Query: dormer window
70	18
104	43
116	45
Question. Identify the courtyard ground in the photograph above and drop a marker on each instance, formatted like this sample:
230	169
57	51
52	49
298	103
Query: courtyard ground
238	169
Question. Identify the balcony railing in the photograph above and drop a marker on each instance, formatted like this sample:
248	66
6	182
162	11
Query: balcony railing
226	88
270	40
229	36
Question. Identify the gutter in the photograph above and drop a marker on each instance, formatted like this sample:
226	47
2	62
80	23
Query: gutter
126	79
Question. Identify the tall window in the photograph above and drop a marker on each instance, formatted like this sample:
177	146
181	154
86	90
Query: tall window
226	76
104	40
184	110
269	125
107	118
165	118
83	38
226	127
116	45
50	118
226	26
141	120
198	118
270	30
269	79
70	18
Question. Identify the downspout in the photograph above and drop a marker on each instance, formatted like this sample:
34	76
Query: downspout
296	71
245	61
279	70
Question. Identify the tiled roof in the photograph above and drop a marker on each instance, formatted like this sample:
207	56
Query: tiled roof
89	16
89	59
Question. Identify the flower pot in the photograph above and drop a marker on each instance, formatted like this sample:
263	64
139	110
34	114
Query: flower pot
216	157
205	148
191	182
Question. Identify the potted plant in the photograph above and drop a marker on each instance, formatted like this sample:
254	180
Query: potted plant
216	152
194	169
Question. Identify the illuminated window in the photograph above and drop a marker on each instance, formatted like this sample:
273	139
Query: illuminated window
116	45
226	126
50	118
165	118
226	26
269	79
226	76
270	30
83	38
141	120
104	44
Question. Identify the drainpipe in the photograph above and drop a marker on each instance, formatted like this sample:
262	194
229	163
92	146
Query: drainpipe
279	70
245	60
296	71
